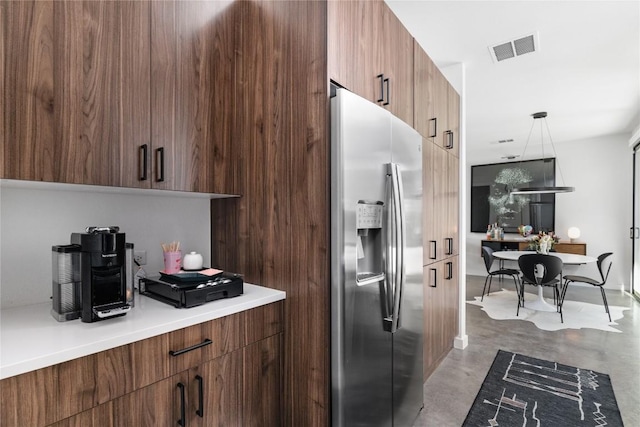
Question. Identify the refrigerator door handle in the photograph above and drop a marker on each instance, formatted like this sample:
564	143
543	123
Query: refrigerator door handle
398	225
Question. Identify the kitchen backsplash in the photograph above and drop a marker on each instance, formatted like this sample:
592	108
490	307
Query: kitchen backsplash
36	216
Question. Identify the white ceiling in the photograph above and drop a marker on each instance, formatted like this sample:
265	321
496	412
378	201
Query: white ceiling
586	73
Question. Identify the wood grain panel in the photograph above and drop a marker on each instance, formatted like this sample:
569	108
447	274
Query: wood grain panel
280	233
29	399
263	322
224	404
114	373
423	102
153	349
435	196
351	33
440	311
163	94
135	88
28	89
453	119
202	89
262	387
154	405
70	151
102	97
453	199
100	416
77	383
397	64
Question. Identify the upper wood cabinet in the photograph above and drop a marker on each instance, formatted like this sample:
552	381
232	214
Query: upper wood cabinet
371	53
192	54
76	84
124	93
437	104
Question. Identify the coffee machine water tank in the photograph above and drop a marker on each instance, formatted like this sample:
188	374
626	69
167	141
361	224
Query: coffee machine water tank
103	272
65	262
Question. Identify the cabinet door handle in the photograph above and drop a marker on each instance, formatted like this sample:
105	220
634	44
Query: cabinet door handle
142	162
449	270
434	278
188	349
386	83
433	124
160	164
200	410
183	420
434	249
449	245
381	77
449	137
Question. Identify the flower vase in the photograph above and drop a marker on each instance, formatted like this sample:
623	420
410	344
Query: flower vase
544	249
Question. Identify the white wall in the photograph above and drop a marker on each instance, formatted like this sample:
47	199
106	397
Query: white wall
601	171
36	216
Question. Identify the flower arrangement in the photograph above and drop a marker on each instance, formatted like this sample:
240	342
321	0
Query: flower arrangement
525	230
543	242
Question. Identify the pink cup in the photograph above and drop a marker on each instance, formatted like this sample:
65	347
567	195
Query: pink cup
172	262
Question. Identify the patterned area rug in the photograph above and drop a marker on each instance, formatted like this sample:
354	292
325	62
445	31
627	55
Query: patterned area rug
524	391
502	305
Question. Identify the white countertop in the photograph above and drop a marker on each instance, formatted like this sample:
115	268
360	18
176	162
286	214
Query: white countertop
30	338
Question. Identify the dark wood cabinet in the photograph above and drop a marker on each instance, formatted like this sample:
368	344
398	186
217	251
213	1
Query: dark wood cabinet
142	384
76	85
371	54
119	93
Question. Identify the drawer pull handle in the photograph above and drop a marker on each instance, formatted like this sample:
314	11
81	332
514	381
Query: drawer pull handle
434	278
200	410
381	77
188	349
160	164
434	249
183	420
142	162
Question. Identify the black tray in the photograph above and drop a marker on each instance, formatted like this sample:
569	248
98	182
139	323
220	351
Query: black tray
185	295
188	277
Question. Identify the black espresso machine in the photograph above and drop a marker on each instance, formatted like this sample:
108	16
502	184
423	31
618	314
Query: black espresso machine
102	270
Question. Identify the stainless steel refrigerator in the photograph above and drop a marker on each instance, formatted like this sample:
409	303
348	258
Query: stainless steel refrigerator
376	266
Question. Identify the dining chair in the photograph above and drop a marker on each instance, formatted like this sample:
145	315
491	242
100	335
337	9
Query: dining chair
602	261
487	255
551	269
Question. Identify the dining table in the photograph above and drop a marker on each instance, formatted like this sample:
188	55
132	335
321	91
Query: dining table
567	259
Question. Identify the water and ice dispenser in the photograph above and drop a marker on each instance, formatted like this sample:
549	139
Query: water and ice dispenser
369	243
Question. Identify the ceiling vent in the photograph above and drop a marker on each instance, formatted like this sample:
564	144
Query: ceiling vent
516	47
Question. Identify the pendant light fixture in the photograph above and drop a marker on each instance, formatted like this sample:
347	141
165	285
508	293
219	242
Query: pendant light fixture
543	189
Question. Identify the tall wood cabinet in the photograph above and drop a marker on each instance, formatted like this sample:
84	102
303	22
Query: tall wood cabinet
437	118
123	93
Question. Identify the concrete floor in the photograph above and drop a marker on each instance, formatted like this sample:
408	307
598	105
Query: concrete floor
451	389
